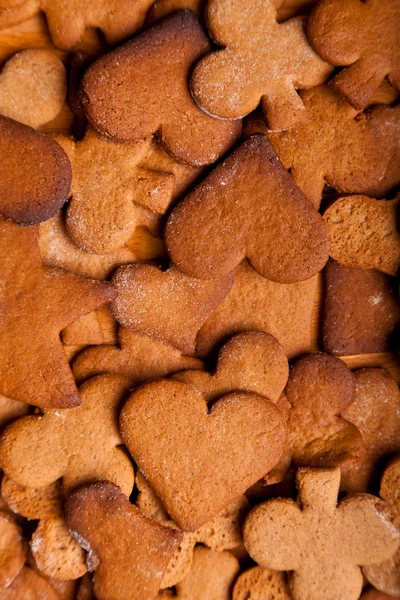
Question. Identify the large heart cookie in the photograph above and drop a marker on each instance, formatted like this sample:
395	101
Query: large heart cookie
199	461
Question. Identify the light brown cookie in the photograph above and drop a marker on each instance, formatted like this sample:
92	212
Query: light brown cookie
364	233
386	576
29	585
111	194
192	487
163	8
31	191
372	594
375	411
128	551
86	331
80	445
131	94
273	224
262	60
286	311
67	22
11	410
33	86
261	584
361	311
336	30
12	551
252	361
167	305
211	576
337	145
37	303
55	552
321	542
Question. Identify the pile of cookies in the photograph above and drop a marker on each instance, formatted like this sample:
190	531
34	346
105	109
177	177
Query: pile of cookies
184	185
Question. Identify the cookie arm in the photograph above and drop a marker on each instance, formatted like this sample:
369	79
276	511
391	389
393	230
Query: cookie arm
358	83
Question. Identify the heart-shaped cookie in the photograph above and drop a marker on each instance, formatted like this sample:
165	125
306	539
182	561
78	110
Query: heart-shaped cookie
198	460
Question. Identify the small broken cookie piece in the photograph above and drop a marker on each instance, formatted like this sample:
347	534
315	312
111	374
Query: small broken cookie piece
361	311
12	551
261	60
167	305
192	487
252	361
67	22
130	94
31	191
336	31
37	303
364	233
375	411
33	86
386	576
249	206
138	357
321	542
128	552
80	444
284	310
55	552
261	584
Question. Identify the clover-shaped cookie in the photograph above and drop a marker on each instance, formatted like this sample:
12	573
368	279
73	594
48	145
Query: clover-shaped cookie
31	190
68	20
192	486
321	542
338	145
249	206
223	532
261	60
110	193
286	311
12	551
37	303
167	305
130	94
33	86
386	576
363	36
250	362
137	357
55	552
79	444
375	411
361	310
364	233
128	552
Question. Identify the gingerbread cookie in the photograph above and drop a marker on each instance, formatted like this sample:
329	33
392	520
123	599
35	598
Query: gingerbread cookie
356	151
31	191
11	410
321	542
33	86
375	411
12	551
111	194
335	30
179	415
55	552
262	60
85	331
361	310
286	311
250	362
163	8
128	551
167	305
113	98
29	585
67	22
261	584
364	233
372	594
273	224
386	576
79	445
37	303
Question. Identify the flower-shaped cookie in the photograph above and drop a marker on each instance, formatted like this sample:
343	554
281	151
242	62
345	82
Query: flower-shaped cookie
261	60
79	444
321	542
